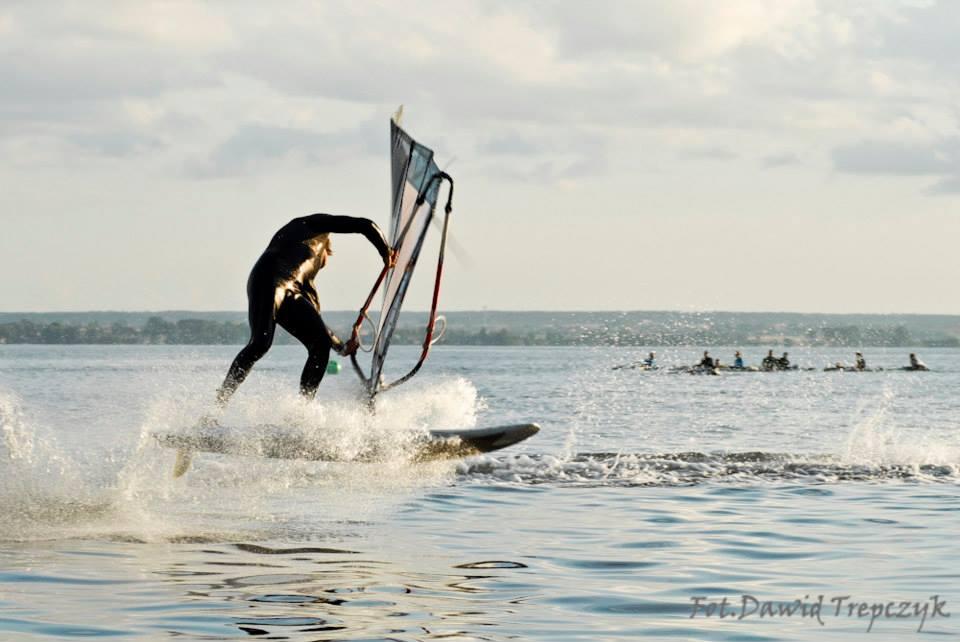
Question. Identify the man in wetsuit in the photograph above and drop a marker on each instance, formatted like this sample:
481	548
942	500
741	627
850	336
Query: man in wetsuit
280	291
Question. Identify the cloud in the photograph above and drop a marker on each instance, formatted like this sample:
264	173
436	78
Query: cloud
500	62
924	32
683	30
709	153
511	145
116	143
257	147
946	187
627	72
539	154
780	160
563	172
900	159
61	61
939	158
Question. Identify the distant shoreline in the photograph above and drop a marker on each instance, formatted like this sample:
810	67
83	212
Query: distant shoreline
500	328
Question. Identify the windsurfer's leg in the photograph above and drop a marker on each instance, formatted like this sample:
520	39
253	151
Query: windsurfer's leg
262	318
300	317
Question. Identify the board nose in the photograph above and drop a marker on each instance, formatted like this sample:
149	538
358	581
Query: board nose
531	430
517	434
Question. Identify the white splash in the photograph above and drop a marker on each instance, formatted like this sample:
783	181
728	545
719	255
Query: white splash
876	439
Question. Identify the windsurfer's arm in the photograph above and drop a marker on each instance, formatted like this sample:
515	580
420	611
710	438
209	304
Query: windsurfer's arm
335	341
333	224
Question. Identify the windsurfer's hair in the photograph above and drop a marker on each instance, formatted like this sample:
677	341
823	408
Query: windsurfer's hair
325	239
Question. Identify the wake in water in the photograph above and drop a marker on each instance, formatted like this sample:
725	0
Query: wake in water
691	468
874	450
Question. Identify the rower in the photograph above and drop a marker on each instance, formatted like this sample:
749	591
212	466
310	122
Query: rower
861	362
769	361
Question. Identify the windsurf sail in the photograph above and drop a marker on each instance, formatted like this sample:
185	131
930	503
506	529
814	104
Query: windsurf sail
415	183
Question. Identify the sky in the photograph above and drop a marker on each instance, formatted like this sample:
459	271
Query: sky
741	155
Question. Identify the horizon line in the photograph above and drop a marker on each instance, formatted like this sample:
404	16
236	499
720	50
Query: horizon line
500	310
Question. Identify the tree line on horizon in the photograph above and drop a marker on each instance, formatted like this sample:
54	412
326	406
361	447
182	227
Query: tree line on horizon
159	331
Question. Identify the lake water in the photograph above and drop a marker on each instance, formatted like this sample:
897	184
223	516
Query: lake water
643	491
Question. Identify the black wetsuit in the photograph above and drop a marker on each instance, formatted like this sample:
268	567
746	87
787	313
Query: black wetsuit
280	290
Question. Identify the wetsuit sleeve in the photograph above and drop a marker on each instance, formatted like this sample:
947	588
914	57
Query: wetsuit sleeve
333	224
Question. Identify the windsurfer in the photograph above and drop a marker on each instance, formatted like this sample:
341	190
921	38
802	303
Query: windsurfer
280	291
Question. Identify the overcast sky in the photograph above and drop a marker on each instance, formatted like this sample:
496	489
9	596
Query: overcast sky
736	155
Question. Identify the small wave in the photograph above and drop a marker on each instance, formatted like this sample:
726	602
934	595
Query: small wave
692	468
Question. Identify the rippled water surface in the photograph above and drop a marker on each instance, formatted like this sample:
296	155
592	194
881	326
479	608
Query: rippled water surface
643	491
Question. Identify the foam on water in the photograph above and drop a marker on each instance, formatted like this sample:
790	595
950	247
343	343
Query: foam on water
41	483
689	468
132	496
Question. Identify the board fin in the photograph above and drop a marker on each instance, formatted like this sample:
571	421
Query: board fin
182	464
